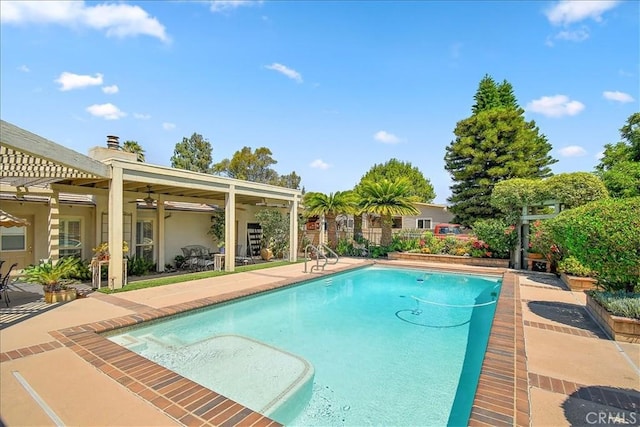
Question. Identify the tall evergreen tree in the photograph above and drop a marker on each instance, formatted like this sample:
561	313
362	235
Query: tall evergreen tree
193	154
494	144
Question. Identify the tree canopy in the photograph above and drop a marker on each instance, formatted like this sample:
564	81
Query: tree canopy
388	199
394	169
135	148
331	205
619	167
255	166
193	154
494	144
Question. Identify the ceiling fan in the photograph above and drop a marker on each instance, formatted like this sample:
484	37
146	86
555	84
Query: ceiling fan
147	200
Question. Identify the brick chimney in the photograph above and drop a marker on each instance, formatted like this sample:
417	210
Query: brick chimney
113	142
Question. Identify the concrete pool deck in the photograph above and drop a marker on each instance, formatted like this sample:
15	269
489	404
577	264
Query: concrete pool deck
548	363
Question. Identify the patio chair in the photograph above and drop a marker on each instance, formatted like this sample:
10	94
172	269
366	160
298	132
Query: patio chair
4	284
197	258
242	257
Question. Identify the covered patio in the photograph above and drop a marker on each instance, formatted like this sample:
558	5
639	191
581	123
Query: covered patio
36	167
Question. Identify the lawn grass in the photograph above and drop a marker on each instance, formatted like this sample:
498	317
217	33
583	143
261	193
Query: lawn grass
168	280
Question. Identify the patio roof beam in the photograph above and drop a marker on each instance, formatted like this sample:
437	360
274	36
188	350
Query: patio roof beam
5	188
24	141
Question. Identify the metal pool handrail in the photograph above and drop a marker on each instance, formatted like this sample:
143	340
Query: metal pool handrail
320	253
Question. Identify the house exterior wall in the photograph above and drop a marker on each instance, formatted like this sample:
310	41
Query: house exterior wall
182	229
39	211
437	214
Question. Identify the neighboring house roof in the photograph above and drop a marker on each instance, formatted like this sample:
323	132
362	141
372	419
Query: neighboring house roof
433	205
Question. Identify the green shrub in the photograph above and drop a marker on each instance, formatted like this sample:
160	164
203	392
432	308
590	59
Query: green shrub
603	235
572	266
430	244
500	236
576	188
511	195
139	266
619	303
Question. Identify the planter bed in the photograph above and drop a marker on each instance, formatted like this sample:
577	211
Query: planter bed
577	283
450	259
619	328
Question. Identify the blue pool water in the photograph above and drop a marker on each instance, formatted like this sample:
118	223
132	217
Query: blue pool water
373	346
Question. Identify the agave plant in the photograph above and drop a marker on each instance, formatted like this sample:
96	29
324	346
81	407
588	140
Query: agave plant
54	276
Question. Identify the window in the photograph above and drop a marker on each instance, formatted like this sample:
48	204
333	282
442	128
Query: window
126	228
144	239
71	238
13	238
423	223
397	222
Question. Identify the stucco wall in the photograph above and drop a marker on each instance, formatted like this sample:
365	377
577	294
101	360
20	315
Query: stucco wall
437	215
39	211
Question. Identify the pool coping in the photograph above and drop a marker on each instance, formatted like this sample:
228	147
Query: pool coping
499	399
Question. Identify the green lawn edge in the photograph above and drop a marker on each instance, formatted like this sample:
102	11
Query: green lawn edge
179	278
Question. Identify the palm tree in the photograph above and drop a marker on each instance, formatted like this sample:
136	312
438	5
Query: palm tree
340	202
387	199
135	148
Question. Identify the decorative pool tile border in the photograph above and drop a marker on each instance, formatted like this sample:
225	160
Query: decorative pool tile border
501	398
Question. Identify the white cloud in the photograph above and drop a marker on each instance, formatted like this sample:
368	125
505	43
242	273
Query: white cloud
110	90
24	68
168	126
569	11
319	164
555	106
292	74
573	35
617	96
107	111
386	137
71	81
115	19
573	151
599	155
141	116
225	5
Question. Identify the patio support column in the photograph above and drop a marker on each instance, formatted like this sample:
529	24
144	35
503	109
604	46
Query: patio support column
97	235
293	231
116	206
161	235
53	225
230	229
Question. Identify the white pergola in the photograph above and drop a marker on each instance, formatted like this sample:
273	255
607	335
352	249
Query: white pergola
34	165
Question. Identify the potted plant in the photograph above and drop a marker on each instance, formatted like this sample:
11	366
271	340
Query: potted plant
217	229
55	278
101	252
275	233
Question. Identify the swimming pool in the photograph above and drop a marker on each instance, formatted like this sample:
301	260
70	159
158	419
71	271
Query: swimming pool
372	346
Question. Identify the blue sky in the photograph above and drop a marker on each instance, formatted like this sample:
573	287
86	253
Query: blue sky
331	87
